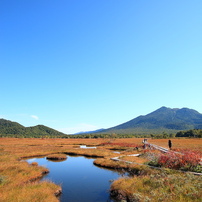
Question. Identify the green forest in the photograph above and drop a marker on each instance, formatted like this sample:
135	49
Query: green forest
14	129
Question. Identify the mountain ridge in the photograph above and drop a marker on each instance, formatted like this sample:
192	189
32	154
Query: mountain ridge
163	119
10	128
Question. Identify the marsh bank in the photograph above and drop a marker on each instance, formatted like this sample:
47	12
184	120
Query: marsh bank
79	178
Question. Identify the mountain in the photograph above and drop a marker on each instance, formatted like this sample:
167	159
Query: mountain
87	132
14	129
162	120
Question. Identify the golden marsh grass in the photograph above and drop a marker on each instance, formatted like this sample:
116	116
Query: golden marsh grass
19	181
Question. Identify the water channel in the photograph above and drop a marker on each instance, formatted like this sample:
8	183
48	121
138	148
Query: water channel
80	179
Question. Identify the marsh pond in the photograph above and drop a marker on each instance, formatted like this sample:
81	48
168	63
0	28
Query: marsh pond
79	178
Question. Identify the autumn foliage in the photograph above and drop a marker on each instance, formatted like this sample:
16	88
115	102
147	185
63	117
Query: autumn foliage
187	160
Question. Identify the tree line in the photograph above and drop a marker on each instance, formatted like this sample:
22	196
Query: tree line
195	133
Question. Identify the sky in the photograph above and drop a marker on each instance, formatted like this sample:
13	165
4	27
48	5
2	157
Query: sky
80	65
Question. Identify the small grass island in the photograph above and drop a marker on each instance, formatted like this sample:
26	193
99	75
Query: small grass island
57	157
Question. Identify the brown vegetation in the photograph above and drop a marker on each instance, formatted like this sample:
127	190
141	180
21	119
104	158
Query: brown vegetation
19	180
158	186
180	143
57	157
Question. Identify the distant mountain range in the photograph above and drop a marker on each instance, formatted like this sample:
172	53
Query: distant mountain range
14	129
87	132
162	120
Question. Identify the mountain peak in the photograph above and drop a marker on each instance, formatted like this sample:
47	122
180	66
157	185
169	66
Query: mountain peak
163	108
160	120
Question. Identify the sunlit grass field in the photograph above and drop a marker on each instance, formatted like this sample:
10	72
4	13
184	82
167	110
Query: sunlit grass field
19	181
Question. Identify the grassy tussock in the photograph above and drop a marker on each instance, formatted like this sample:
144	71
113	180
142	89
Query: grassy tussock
134	159
91	152
35	192
57	156
21	172
158	187
18	181
119	165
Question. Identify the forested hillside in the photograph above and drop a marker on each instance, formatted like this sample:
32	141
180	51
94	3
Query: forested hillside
14	129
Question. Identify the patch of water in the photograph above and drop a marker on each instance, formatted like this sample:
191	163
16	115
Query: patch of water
116	152
85	147
80	179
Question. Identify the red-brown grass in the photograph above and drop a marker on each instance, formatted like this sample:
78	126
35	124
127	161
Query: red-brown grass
19	180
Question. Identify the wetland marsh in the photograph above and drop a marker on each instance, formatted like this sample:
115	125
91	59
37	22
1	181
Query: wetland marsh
21	181
79	178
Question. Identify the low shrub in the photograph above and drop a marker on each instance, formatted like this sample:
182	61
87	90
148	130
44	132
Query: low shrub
187	161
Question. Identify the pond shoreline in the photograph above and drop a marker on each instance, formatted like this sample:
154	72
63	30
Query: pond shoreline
69	161
16	175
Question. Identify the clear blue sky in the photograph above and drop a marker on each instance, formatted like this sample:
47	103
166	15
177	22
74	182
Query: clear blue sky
77	65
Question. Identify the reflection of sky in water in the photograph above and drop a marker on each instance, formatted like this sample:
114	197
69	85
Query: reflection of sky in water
31	160
85	147
81	181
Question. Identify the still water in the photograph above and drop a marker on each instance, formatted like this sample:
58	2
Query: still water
81	181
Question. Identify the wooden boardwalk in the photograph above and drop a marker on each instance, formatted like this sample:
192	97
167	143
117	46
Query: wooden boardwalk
164	150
